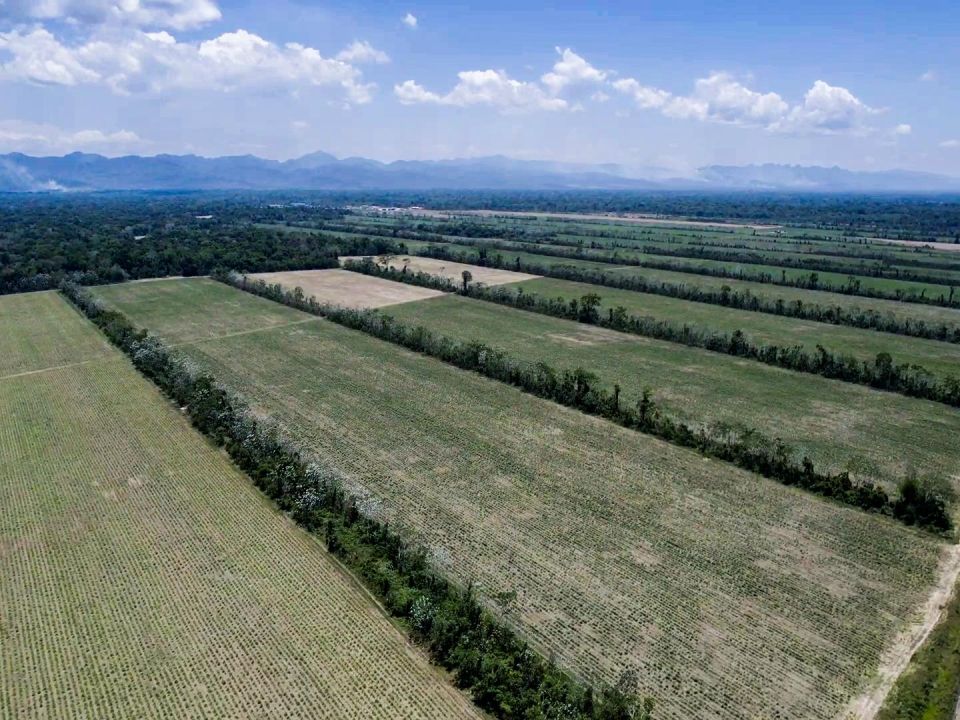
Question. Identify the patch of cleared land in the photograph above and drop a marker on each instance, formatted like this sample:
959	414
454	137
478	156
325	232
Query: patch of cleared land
633	218
839	425
732	596
342	287
453	270
142	575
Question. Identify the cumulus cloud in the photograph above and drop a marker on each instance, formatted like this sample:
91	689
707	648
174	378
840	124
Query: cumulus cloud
176	14
362	52
410	20
133	61
827	109
45	138
571	69
902	129
928	76
483	87
950	144
721	98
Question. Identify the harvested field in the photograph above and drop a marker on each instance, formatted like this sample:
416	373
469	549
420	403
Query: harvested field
350	289
454	270
730	595
142	575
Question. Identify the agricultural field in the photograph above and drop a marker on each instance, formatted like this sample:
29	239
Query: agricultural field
334	286
142	575
730	596
840	425
455	270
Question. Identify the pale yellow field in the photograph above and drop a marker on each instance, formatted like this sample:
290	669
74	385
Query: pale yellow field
342	287
453	270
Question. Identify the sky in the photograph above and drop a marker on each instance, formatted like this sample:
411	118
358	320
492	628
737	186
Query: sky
661	87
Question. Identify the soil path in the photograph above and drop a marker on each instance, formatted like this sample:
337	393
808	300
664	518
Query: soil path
898	655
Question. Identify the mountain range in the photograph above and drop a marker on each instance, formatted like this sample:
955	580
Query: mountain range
322	171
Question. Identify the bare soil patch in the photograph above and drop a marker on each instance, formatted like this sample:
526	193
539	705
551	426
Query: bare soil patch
343	287
454	270
626	217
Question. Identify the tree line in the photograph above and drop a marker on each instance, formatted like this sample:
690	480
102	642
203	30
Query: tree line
503	674
922	504
866	319
853	286
882	374
107	240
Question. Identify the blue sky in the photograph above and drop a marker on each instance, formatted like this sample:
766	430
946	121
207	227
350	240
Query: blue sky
672	85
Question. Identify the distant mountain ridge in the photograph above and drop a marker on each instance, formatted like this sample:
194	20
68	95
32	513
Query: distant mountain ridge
322	171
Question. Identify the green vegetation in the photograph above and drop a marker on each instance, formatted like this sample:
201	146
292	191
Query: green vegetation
920	503
605	547
142	575
838	425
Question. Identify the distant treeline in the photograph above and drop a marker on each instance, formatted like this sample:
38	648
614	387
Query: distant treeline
921	217
883	374
504	676
738	299
41	253
917	503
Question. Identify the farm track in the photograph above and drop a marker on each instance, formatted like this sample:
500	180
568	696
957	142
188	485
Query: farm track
897	658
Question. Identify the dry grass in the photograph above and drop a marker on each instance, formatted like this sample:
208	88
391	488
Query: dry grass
347	288
453	270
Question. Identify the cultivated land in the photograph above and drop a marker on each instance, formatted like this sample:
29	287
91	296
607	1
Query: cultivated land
940	358
454	270
347	288
732	596
839	425
142	575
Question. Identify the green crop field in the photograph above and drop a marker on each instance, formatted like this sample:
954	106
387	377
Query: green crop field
143	576
940	358
843	425
730	595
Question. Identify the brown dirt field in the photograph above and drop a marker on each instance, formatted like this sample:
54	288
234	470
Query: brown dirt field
343	287
454	270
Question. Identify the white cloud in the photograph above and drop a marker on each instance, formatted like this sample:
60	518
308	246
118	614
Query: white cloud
176	14
950	144
362	52
132	61
827	109
721	98
646	97
571	69
928	76
902	129
45	138
483	87
717	98
410	20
